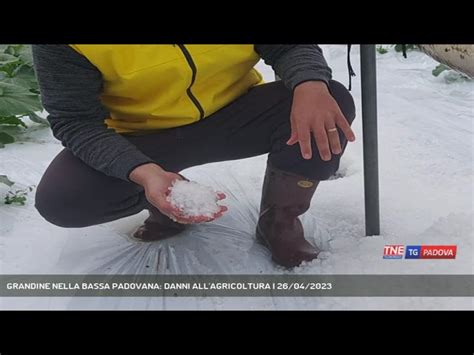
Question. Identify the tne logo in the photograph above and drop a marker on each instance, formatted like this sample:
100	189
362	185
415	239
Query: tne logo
393	251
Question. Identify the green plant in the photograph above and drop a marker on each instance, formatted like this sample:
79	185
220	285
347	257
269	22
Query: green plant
408	47
19	91
439	69
18	197
397	47
15	196
5	180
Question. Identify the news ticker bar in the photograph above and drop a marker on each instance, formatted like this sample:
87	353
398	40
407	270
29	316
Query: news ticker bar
236	285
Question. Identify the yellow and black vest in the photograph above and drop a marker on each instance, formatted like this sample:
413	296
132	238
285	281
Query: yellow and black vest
149	87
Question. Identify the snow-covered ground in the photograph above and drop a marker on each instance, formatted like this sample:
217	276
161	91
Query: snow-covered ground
426	190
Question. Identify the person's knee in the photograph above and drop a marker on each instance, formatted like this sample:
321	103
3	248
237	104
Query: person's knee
321	170
327	169
290	159
57	206
344	99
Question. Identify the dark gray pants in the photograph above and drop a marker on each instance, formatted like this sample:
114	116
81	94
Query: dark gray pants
72	194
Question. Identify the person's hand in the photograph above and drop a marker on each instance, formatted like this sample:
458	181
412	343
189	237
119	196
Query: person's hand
157	183
315	112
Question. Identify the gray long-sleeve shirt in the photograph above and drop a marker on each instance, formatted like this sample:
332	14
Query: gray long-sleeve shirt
71	86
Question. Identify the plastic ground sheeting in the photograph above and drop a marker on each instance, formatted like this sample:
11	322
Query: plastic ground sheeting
224	246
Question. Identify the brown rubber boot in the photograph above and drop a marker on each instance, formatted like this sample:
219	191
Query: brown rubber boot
157	227
285	196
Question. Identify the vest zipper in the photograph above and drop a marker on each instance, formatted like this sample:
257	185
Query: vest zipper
191	64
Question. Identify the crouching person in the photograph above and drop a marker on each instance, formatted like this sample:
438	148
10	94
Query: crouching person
131	117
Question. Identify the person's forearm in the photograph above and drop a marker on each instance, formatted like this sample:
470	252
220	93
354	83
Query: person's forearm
99	147
296	64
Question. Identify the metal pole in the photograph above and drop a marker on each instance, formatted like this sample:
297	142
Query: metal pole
369	126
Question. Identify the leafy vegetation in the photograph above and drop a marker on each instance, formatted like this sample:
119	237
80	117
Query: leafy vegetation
5	180
408	47
397	47
19	92
19	98
18	196
439	69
